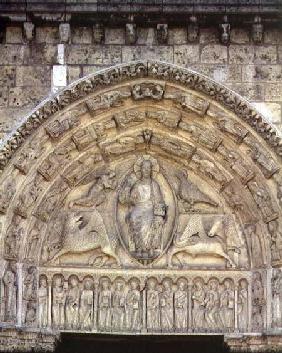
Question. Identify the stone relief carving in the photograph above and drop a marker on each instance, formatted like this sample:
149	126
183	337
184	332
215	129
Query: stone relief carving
146	209
189	102
258	302
8	190
83	227
29	196
205	137
277	298
29	303
43	298
142	206
189	195
57	128
10	293
236	163
263	200
237	131
111	99
15	234
159	305
204	235
148	90
29	155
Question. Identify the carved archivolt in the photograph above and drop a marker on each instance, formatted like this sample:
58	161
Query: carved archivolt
144	198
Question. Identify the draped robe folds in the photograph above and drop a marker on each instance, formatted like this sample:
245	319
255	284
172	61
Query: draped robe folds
180	309
166	303
133	309
42	306
72	307
86	309
105	299
243	309
118	310
144	196
153	311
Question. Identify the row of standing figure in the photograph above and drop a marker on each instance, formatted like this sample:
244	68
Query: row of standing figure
156	307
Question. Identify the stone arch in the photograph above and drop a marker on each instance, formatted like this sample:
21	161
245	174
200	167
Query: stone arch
214	164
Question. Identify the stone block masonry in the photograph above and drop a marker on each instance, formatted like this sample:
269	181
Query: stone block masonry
31	69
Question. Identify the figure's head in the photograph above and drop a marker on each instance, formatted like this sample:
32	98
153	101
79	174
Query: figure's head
43	282
105	284
166	284
243	284
152	283
134	283
146	169
58	281
73	281
227	284
119	285
87	284
181	284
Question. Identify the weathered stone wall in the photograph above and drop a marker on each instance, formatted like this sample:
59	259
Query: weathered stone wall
32	70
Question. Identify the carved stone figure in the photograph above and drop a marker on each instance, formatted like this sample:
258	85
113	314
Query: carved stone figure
225	31
10	292
195	240
34	236
118	305
153	305
148	90
257	30
15	233
255	244
6	195
130	33
133	306
211	170
42	294
86	311
27	156
146	209
84	228
212	304
29	293
166	306
277	298
193	29
243	306
227	306
58	302
236	130
107	100
207	138
98	33
189	102
181	306
263	200
57	128
189	194
198	307
162	33
72	303
258	302
29	196
64	32
105	305
129	118
242	169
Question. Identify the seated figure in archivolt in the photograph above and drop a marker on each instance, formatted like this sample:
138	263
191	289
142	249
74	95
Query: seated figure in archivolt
146	208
